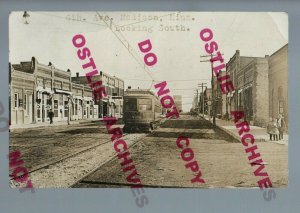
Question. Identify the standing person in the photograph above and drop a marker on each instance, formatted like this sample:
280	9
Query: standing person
272	129
269	128
50	115
281	126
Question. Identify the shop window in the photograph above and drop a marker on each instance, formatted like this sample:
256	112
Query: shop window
38	110
66	109
16	100
25	107
55	108
76	107
281	107
61	99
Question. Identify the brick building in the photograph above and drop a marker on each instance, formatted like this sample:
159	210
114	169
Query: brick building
36	88
278	83
22	93
112	104
220	98
261	86
83	105
250	79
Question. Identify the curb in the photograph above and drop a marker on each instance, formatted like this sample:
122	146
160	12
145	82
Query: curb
235	137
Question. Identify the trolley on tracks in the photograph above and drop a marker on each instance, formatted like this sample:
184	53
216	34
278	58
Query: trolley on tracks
141	110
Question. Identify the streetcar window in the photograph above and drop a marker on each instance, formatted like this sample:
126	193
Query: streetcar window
130	104
145	104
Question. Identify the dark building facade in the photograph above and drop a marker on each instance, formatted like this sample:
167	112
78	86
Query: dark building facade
250	79
261	86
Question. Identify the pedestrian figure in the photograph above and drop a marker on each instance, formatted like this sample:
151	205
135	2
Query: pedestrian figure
269	128
50	115
272	129
281	126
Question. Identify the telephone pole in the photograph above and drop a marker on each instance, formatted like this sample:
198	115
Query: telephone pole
202	86
212	85
197	101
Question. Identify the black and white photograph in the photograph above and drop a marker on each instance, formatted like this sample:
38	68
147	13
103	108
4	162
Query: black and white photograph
148	100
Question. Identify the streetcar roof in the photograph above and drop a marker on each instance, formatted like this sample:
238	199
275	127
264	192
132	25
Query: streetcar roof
138	92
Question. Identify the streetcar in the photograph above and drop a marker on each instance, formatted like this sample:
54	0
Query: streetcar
141	110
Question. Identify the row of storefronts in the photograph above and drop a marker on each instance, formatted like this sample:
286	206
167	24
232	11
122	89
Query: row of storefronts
261	89
35	89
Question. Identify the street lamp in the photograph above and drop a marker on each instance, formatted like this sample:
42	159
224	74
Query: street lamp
26	17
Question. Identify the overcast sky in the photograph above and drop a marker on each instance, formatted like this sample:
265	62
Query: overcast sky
48	37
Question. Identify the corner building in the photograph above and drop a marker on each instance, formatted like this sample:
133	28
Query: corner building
250	79
278	83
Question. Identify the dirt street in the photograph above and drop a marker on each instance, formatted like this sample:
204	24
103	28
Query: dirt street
222	160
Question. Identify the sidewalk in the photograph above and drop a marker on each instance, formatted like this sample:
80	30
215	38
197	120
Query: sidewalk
47	124
259	133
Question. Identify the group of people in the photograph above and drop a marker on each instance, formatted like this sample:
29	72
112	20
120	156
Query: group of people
276	127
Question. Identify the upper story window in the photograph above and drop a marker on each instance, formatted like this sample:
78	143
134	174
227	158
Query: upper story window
16	100
26	108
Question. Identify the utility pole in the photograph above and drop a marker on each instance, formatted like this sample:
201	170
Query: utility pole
212	85
197	104
226	113
202	85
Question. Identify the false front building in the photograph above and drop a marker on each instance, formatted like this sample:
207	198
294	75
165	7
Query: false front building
36	88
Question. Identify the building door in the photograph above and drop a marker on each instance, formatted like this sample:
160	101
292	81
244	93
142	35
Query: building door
30	108
43	113
105	109
43	107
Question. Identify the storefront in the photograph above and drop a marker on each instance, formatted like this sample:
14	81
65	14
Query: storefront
76	110
21	97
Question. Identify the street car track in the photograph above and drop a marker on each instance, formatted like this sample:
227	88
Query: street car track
109	184
64	158
107	161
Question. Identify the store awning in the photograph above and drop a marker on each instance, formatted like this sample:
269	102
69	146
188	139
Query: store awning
63	91
77	97
87	98
46	90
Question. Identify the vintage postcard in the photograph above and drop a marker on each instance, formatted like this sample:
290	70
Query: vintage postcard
148	99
